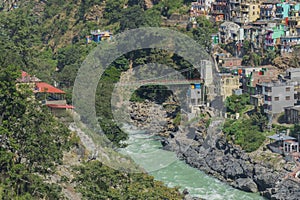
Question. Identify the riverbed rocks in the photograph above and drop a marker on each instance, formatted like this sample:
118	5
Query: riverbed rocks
206	148
246	184
229	163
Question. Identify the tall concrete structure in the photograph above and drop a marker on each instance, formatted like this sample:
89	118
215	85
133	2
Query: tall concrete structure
277	96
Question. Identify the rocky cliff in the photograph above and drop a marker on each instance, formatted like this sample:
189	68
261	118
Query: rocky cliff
215	156
207	149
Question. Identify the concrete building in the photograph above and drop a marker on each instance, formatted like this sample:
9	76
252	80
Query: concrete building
277	96
250	10
200	8
235	10
196	95
231	62
268	9
229	31
273	33
292	114
229	83
220	10
282	10
265	74
292	24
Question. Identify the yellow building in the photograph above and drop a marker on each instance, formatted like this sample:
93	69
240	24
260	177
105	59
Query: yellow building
250	10
229	83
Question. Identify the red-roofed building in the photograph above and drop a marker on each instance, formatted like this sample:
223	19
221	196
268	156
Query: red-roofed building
49	95
43	87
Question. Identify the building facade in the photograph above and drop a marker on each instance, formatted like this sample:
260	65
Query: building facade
277	96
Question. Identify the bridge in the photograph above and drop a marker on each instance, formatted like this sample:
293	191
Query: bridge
161	82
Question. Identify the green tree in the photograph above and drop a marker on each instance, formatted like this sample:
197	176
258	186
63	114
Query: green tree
132	17
236	103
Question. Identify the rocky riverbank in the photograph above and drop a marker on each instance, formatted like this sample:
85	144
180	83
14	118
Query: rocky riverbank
207	149
214	155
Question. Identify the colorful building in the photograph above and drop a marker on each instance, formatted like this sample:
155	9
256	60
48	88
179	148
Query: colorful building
200	8
98	36
273	34
268	9
220	10
250	10
282	10
47	94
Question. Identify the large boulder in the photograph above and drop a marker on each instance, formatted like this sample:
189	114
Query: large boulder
265	178
246	184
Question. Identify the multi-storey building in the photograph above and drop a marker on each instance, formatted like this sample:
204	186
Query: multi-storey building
282	10
200	7
277	96
235	10
250	10
268	9
229	31
229	83
264	74
220	10
273	33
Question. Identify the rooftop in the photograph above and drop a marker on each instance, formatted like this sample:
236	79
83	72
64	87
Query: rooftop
281	137
26	78
294	108
43	87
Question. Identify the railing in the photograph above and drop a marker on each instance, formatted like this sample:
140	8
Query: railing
245	9
57	102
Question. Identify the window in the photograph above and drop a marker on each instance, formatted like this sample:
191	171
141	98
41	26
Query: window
287	98
253	7
288	89
253	13
276	98
268	89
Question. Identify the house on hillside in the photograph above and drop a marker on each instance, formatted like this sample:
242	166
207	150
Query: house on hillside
47	94
229	31
277	96
229	84
265	74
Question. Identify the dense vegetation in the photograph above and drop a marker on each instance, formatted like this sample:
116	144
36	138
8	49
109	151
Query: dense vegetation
249	131
96	181
47	39
32	142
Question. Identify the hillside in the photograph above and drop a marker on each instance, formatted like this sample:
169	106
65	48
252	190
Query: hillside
39	155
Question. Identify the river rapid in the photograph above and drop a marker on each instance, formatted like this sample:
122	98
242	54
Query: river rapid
146	150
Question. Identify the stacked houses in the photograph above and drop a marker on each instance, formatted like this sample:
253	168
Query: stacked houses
268	24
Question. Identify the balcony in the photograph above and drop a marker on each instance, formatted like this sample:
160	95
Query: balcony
270	44
217	12
234	1
245	9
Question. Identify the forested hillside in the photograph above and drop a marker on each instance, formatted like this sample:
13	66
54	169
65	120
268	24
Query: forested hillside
47	39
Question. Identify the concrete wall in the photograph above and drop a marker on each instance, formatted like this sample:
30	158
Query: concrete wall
279	99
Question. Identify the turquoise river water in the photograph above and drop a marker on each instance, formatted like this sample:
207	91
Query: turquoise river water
164	166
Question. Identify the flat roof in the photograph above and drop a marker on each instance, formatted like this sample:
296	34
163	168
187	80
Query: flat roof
279	137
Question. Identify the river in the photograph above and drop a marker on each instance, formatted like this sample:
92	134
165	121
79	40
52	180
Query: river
164	166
